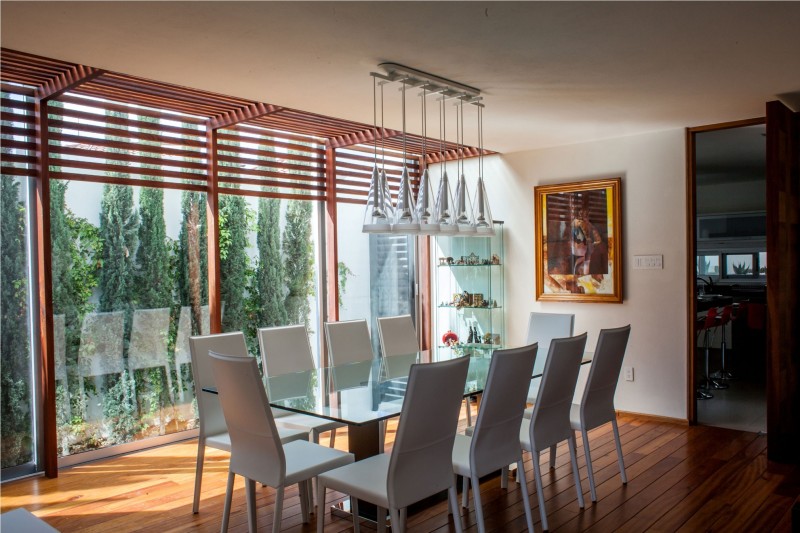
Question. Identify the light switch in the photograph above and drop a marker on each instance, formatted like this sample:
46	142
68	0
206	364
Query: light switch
648	262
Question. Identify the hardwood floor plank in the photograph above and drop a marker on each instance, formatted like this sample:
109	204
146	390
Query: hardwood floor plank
698	478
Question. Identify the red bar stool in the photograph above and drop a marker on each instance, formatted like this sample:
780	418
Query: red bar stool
706	326
723	321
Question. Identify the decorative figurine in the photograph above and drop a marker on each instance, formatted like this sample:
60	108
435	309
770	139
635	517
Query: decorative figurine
487	338
449	338
449	260
495	259
473	259
442	261
477	300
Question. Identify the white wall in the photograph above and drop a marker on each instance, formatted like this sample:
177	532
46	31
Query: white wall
652	168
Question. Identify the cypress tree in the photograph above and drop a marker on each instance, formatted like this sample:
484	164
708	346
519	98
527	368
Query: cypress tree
154	284
268	290
192	260
118	225
16	444
234	262
298	252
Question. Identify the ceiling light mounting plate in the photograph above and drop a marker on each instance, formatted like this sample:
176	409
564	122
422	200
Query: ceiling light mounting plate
394	72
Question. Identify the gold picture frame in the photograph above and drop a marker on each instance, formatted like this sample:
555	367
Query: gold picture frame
579	241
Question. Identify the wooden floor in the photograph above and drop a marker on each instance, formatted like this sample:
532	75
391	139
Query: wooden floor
679	478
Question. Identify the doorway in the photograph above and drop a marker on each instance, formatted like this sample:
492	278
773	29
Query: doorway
728	299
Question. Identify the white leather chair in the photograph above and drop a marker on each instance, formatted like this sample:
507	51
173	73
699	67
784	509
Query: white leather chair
213	431
542	329
493	442
550	423
257	451
597	405
397	335
348	342
421	461
286	350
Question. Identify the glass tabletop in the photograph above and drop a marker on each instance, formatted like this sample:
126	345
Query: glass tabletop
365	392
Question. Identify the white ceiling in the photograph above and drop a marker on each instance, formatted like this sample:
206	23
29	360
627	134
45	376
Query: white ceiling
552	72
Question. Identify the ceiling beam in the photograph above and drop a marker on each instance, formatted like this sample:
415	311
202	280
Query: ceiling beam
362	137
67	81
452	155
243	114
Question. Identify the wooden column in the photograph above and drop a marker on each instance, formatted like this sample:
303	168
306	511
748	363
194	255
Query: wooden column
424	281
212	225
331	240
44	267
783	271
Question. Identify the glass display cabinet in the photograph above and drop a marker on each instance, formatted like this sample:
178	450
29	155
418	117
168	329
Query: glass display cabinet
469	295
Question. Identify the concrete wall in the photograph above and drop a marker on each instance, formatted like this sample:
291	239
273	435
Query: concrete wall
652	168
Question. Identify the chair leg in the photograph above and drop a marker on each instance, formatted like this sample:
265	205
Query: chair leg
380	519
250	493
620	458
590	473
465	492
198	473
278	513
537	474
381	435
552	457
321	503
476	497
226	511
574	458
526	500
356	517
302	488
453	505
504	478
403	518
397	525
469	411
333	437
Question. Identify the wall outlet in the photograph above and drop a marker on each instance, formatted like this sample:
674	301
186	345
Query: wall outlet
628	373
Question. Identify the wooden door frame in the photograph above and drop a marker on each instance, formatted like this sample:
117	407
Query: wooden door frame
691	255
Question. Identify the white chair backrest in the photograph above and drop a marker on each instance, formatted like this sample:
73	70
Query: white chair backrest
550	419
421	463
209	409
100	351
495	440
543	328
182	355
597	405
60	346
285	350
256	450
397	335
148	346
348	341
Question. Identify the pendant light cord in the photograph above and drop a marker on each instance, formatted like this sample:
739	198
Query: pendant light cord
375	120
383	137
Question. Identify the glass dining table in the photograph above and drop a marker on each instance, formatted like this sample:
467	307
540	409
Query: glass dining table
362	394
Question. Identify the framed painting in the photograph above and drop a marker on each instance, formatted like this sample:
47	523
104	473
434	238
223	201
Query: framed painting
579	241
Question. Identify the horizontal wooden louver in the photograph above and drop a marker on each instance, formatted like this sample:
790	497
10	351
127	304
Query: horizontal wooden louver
18	131
559	208
270	163
353	171
103	141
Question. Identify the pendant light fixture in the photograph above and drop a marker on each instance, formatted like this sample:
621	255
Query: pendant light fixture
483	215
378	214
464	217
444	200
405	216
426	208
412	216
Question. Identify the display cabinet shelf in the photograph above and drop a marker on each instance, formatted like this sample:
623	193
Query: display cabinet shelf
469	274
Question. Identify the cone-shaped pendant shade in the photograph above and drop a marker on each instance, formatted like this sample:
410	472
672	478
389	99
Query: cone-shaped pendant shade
444	207
483	216
378	215
405	216
426	209
465	219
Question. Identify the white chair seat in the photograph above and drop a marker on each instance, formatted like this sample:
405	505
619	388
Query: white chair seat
305	460
305	422
575	416
365	479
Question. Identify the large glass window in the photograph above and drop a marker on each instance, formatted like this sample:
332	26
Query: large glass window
269	250
376	271
17	421
130	277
